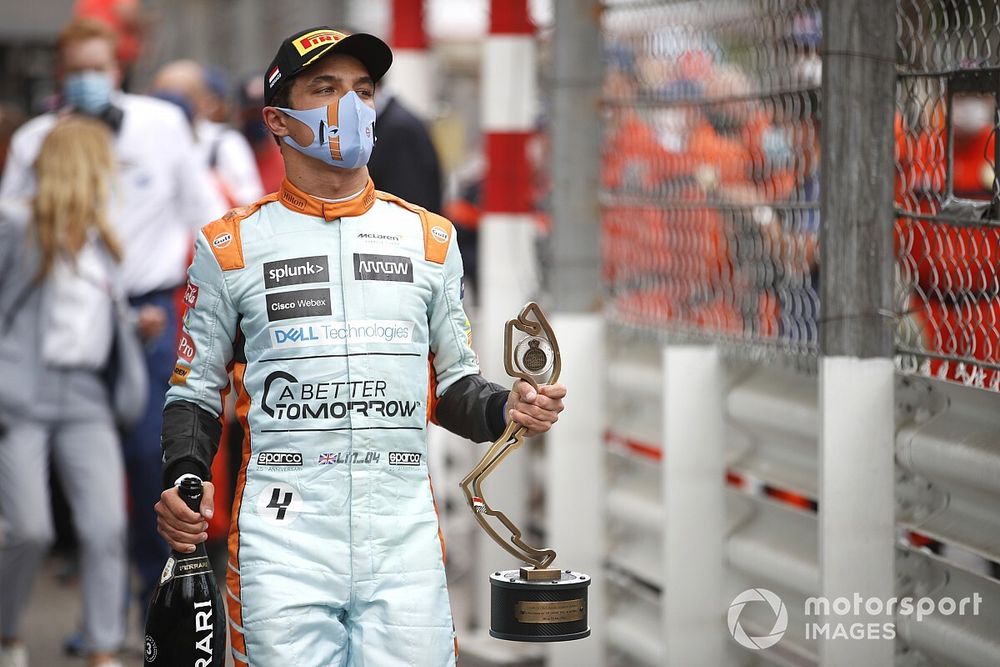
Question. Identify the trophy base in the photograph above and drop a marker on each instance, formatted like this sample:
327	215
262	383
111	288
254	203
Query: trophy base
533	610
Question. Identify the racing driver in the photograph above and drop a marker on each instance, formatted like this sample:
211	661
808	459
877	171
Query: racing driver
338	310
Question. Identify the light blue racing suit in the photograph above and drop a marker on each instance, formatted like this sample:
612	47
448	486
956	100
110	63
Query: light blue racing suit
328	315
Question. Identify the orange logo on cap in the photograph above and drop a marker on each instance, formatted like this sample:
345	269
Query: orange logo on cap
315	39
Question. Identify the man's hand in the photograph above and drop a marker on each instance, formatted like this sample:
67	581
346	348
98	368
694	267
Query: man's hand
179	526
536	410
152	321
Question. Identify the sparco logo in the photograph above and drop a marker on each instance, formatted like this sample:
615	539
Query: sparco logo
286	398
299	303
404	459
296	271
285	459
383	267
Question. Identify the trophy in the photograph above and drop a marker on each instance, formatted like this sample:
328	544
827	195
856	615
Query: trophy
535	602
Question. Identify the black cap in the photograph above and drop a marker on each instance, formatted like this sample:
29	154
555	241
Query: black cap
307	46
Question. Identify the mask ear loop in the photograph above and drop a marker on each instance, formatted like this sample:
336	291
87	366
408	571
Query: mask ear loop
292	113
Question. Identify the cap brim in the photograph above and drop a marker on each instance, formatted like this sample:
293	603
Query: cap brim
373	53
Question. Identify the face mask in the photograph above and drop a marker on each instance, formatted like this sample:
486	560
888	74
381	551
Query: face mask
88	92
343	134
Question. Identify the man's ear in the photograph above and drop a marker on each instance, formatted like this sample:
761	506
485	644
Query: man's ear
276	121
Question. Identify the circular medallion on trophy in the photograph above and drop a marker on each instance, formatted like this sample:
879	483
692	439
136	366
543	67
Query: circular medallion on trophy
534	356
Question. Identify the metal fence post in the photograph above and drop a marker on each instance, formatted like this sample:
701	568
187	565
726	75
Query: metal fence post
856	506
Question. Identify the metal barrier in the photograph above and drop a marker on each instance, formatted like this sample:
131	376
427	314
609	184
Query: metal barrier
711	220
947	232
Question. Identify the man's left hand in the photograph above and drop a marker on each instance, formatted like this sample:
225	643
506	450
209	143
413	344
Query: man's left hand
536	410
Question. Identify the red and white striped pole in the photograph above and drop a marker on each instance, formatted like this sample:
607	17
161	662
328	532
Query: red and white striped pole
412	70
507	228
507	256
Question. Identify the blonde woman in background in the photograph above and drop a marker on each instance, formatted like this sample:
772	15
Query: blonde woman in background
58	263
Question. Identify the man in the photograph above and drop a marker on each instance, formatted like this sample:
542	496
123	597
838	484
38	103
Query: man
404	161
339	310
162	193
223	149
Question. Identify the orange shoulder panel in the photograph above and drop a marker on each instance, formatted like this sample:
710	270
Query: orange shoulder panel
437	229
223	235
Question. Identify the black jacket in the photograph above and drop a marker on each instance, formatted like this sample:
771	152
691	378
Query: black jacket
404	161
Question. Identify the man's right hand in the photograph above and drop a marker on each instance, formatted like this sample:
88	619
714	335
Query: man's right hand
179	526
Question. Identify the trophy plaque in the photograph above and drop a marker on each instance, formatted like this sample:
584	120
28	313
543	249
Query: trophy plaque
534	602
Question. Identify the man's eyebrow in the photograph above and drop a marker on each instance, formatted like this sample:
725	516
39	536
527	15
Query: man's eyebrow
330	78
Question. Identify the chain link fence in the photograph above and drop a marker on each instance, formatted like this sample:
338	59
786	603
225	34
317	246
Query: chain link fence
947	232
711	180
710	187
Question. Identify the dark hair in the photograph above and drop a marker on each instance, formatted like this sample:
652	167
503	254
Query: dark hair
282	98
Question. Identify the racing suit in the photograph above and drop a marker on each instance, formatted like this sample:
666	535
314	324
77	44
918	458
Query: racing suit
343	325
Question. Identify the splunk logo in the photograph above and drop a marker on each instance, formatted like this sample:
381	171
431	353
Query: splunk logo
757	595
286	398
296	271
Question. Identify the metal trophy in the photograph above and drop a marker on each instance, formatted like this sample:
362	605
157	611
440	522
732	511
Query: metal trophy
535	602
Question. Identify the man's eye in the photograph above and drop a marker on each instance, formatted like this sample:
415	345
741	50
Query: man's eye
365	93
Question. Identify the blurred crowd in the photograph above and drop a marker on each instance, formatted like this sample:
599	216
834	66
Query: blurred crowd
712	171
100	198
712	175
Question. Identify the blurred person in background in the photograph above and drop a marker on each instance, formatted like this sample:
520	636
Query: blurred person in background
270	164
404	160
125	18
343	375
218	94
11	118
223	149
161	193
58	270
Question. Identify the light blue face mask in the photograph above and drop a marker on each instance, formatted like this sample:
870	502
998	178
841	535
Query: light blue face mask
343	134
88	92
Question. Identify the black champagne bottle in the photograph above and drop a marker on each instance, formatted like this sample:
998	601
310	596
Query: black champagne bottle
186	622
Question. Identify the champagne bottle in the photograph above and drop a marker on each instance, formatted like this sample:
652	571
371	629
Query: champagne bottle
186	622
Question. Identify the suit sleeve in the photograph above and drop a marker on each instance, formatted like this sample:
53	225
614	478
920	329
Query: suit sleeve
468	405
191	418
